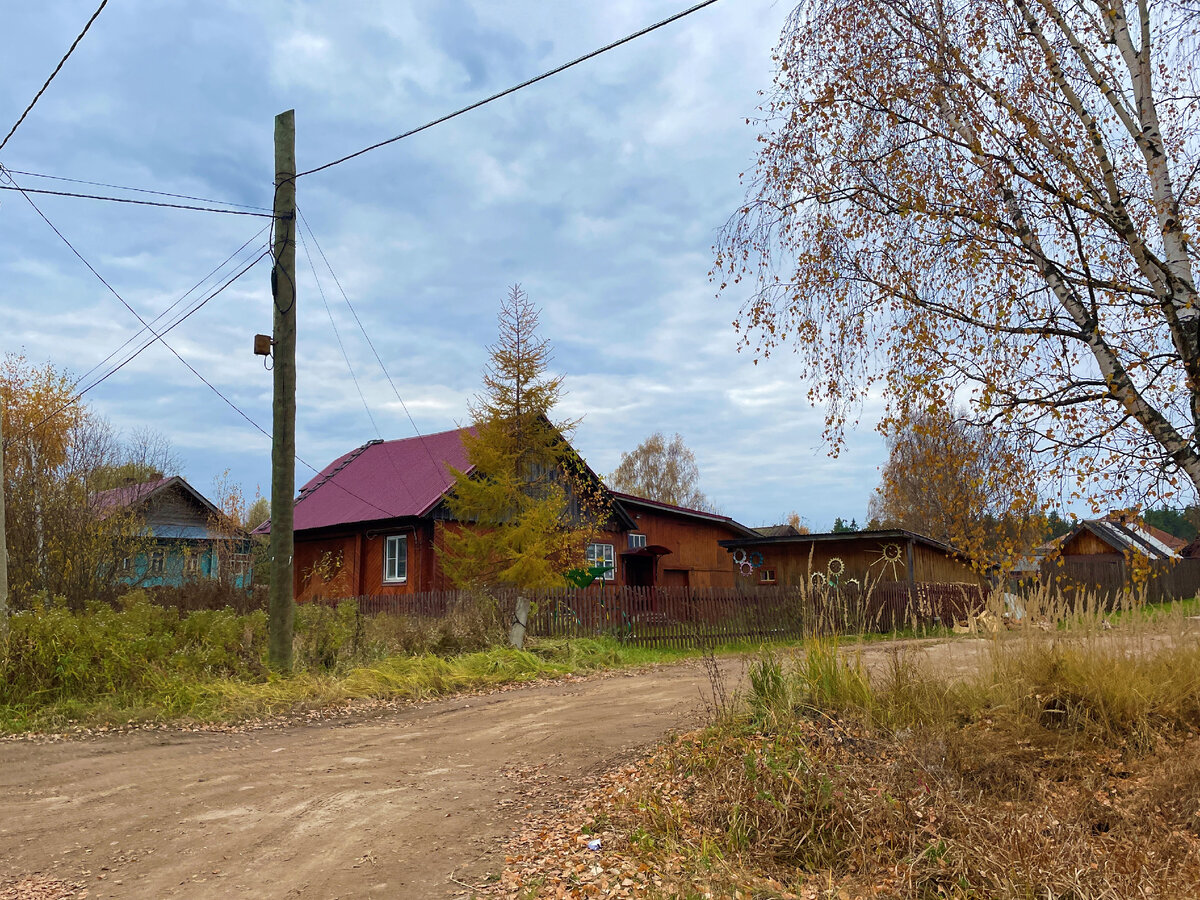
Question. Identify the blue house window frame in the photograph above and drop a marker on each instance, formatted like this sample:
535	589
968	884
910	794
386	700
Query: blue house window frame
395	559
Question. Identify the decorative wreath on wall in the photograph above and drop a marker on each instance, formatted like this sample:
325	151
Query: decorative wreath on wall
747	562
836	566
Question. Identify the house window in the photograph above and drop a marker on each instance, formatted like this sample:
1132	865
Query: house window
637	541
158	561
395	559
239	566
126	564
602	555
766	576
191	564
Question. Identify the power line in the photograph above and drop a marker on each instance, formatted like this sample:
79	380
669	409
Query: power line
213	209
113	371
158	337
346	356
515	88
170	308
367	337
122	187
57	69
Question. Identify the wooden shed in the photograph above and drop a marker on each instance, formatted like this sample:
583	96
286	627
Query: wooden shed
849	558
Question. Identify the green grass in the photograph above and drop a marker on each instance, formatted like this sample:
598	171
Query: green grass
164	697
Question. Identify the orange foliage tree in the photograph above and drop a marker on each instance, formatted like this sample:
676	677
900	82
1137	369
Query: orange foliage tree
963	485
57	453
989	203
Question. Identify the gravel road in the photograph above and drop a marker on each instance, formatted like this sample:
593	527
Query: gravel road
394	806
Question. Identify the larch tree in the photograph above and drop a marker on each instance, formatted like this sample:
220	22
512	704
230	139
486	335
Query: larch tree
989	203
961	484
661	470
525	507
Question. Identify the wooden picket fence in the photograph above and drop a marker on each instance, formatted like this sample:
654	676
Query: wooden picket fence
687	617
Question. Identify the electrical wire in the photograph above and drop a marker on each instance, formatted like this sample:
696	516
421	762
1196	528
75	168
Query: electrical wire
136	314
436	464
78	395
158	338
514	88
121	187
172	307
212	209
53	74
346	356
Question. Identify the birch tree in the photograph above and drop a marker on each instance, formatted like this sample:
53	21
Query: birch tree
987	202
963	485
661	470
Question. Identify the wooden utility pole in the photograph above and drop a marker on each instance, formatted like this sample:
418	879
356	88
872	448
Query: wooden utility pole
283	427
3	541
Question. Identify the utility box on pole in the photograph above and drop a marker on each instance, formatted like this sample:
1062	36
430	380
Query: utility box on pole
283	423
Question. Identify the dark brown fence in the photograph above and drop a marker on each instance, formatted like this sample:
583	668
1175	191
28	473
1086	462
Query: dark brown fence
682	617
1107	578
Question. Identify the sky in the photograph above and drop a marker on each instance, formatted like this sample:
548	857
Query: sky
600	191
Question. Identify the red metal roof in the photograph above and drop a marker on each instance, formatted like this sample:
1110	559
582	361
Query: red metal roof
381	480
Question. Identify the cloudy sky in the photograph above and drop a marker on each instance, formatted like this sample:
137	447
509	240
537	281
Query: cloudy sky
600	191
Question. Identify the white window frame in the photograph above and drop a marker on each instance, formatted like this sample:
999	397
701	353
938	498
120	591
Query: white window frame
392	561
158	562
603	555
191	563
766	576
637	541
239	566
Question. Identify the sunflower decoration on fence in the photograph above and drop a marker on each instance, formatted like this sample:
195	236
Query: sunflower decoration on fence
890	555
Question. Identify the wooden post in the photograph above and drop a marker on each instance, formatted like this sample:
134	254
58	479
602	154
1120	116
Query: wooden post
3	541
516	634
283	427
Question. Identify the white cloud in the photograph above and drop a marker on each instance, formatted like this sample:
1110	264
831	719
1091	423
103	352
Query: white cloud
600	190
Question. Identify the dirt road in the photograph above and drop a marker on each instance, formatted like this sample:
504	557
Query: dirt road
387	807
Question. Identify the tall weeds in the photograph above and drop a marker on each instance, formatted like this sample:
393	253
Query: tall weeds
1061	764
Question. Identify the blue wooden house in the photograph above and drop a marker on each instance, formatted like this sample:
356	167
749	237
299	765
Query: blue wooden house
187	540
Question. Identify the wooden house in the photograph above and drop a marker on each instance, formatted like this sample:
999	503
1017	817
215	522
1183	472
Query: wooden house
1116	537
371	523
859	558
187	541
672	546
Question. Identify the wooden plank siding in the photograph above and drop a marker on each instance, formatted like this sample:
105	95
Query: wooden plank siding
860	558
695	558
695	553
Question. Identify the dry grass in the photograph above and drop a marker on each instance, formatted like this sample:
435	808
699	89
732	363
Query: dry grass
1066	766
